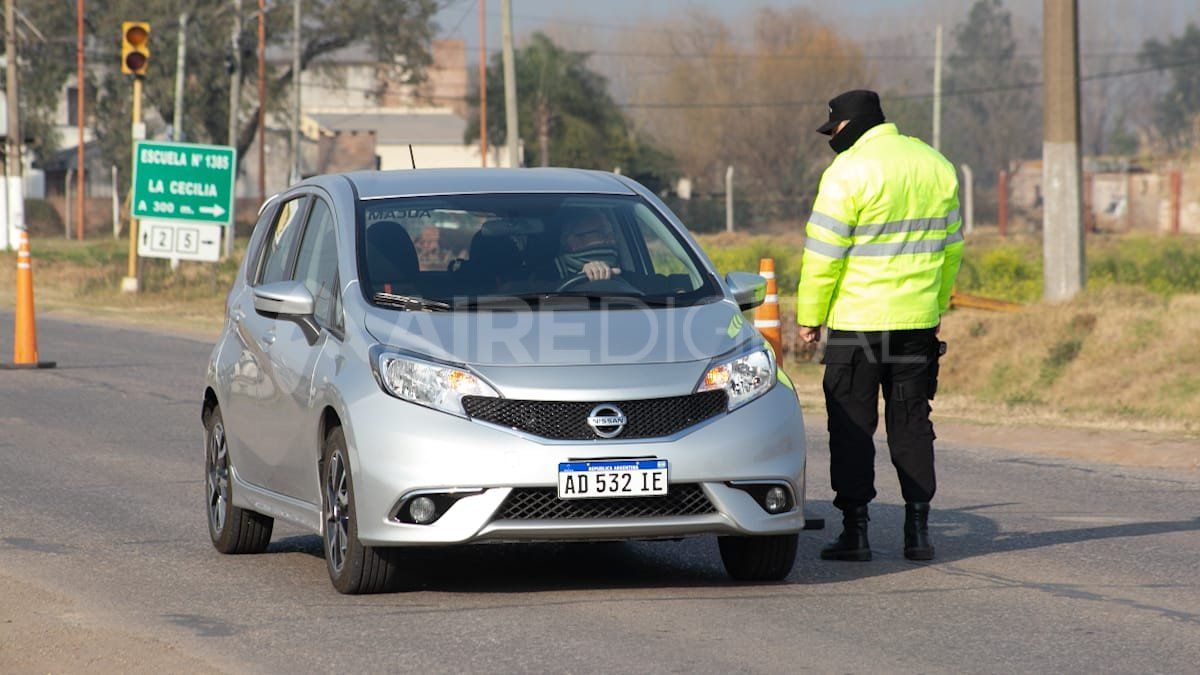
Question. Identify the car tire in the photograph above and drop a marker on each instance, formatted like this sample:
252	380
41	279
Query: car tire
763	558
353	568
232	529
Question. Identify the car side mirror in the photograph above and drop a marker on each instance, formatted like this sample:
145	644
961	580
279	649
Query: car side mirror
749	290
291	301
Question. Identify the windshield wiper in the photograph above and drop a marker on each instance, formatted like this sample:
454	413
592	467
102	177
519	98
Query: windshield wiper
567	298
412	303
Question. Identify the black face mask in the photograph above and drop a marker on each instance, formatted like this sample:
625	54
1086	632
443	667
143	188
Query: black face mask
854	130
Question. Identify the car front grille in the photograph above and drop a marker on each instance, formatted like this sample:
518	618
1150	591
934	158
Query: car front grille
567	420
683	499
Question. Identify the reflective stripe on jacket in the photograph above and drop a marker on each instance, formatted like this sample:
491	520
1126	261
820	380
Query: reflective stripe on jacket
883	244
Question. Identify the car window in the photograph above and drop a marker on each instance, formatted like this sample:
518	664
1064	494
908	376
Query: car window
316	264
281	242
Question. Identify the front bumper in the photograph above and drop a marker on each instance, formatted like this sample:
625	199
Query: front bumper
398	449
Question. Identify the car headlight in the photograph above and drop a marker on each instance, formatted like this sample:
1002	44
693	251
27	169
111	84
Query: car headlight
434	385
744	378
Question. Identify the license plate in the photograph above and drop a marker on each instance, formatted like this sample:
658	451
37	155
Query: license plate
628	478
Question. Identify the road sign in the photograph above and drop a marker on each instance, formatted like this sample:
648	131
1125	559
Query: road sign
183	181
179	240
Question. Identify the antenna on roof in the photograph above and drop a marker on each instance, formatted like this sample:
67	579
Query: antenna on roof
412	158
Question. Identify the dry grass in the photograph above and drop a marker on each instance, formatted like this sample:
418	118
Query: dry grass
1117	358
84	280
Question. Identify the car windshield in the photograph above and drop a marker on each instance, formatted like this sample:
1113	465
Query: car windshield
464	251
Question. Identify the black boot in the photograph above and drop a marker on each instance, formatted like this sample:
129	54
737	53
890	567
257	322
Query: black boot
852	543
916	532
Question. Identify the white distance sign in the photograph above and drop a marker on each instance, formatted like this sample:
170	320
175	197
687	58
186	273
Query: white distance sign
182	241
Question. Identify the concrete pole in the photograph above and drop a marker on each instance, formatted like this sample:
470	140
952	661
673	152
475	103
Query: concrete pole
15	187
1062	222
81	93
116	204
968	199
729	199
937	88
512	133
180	75
295	137
235	99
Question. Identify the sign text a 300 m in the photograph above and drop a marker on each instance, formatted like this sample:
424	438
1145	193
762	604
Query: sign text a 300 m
184	181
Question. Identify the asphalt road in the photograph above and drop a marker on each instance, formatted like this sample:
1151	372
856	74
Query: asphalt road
1044	565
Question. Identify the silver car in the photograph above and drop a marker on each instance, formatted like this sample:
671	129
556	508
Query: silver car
423	358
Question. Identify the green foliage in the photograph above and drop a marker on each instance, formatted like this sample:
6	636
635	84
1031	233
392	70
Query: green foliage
745	255
394	31
43	68
1160	265
1005	272
1177	109
567	116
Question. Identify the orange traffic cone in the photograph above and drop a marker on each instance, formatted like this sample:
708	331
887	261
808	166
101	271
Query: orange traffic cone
766	317
25	352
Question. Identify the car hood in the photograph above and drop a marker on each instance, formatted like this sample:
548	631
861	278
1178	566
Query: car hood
565	337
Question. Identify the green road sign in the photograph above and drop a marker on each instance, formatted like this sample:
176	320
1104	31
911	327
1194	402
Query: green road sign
183	181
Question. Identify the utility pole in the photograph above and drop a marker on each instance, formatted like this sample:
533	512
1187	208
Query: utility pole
294	140
180	73
512	135
235	99
1062	222
80	88
14	186
483	140
262	101
937	88
729	199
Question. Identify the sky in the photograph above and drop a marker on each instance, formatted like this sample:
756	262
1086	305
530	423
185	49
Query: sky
1114	20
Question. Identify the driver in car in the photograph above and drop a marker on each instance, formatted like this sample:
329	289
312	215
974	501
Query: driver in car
588	246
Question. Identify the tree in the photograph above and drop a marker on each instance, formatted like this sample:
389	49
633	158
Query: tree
394	31
1178	119
720	103
993	111
566	112
46	61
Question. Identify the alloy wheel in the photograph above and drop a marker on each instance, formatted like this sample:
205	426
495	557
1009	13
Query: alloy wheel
217	477
337	514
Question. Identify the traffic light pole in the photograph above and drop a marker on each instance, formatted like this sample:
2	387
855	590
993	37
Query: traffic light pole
130	283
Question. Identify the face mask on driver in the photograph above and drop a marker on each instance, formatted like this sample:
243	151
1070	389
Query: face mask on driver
572	263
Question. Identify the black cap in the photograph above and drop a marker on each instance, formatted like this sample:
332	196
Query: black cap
853	104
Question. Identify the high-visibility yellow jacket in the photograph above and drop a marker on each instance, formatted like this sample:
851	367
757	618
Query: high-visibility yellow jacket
884	242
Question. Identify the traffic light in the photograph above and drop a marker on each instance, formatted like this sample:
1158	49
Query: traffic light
135	47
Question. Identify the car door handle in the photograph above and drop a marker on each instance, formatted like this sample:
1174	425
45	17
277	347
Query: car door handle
237	315
268	339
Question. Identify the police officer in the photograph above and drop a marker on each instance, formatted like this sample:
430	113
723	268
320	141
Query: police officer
883	247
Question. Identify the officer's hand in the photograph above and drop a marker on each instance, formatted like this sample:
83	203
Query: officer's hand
810	334
599	271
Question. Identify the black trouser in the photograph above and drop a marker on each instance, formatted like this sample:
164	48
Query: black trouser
856	365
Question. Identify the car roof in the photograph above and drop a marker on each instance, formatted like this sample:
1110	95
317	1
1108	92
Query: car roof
408	183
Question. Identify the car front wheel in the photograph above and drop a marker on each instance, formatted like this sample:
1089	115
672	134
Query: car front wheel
763	558
353	567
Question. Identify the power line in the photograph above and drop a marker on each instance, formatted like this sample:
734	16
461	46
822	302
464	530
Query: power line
970	91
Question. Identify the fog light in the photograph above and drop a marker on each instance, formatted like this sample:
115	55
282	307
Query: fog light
422	510
776	500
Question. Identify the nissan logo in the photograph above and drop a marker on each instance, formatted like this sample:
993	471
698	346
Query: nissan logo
607	420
